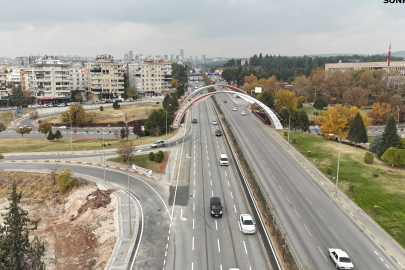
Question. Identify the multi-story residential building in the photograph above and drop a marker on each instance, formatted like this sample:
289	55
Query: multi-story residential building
150	78
394	65
78	80
105	76
131	55
14	77
49	81
25	79
3	85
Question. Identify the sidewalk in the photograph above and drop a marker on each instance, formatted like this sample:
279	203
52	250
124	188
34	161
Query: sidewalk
387	243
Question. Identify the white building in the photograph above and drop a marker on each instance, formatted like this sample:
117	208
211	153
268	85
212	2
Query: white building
78	80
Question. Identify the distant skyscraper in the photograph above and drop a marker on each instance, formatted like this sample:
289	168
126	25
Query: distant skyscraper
172	57
166	57
131	55
126	57
203	58
182	54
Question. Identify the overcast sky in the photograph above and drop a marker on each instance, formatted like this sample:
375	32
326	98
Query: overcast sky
229	28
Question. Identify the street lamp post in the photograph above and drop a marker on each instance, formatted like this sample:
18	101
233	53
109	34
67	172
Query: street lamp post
337	172
71	132
129	198
104	151
289	118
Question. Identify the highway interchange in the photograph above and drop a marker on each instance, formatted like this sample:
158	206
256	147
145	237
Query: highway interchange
185	236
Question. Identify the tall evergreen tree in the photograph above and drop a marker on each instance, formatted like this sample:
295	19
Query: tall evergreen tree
16	250
357	131
268	99
390	137
50	136
17	97
302	121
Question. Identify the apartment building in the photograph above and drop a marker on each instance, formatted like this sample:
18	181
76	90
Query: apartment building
49	81
78	80
25	79
3	85
105	76
394	65
150	78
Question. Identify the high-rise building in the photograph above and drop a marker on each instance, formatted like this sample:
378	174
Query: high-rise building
78	80
150	78
181	54
131	55
105	76
126	57
172	59
49	81
203	58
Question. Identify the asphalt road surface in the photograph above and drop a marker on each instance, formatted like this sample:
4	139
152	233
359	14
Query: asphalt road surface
311	217
199	241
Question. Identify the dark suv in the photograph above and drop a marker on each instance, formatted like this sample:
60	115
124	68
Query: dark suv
194	121
218	132
215	207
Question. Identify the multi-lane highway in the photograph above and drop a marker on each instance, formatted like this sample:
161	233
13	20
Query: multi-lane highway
312	218
199	241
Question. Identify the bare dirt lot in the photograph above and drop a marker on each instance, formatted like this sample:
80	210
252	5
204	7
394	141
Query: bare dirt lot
78	229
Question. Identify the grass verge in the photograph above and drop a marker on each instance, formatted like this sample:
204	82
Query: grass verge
386	191
142	161
7	116
25	145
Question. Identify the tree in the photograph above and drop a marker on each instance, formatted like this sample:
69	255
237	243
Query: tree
124	133
17	97
125	150
320	103
300	86
50	136
156	121
174	82
34	115
375	143
116	133
390	137
16	250
116	105
355	96
166	101
2	127
124	95
44	128
287	99
357	131
250	79
23	130
151	156
111	96
58	135
338	82
302	121
76	113
380	111
267	98
284	115
74	95
175	104
394	156
65	180
89	120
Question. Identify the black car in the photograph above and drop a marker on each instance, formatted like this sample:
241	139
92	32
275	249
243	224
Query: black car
215	207
194	121
225	101
218	132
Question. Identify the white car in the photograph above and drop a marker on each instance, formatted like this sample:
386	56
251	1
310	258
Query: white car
158	143
234	109
246	224
214	122
340	258
63	127
61	104
243	113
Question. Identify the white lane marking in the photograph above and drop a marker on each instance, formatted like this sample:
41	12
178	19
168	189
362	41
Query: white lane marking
288	199
280	188
233	207
218	146
209	172
240	229
292	179
192	266
381	259
193	207
212	192
284	170
307	230
274	178
268	169
220	266
228	184
211	182
166	253
226	174
375	252
194	182
194	164
216	225
192	247
264	162
260	156
231	194
309	200
334	233
206	146
193	223
319	214
299	189
194	193
322	253
296	213
219	248
194	172
245	246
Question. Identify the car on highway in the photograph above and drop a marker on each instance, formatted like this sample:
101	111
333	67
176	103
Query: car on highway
234	109
194	121
225	101
158	143
63	127
243	113
340	258
216	207
246	224
218	132
214	122
223	160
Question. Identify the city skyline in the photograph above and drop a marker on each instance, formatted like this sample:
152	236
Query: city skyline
231	29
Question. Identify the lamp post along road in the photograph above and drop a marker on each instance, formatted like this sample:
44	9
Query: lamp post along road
289	121
129	199
337	172
104	152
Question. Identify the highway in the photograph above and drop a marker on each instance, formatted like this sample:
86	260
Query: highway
199	241
312	218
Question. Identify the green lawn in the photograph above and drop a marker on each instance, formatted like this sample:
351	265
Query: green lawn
310	112
19	145
140	160
386	191
7	116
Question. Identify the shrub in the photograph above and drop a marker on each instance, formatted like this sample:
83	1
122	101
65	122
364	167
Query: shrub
329	169
1	156
376	142
309	153
65	180
376	209
2	127
51	136
369	158
159	156
151	156
351	187
101	108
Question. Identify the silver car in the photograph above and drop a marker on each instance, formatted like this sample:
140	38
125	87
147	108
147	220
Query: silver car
158	143
247	226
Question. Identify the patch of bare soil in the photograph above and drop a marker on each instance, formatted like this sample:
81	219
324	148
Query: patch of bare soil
163	164
78	230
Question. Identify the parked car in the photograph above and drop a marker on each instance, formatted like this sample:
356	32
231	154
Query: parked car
63	127
158	143
214	122
340	258
194	121
243	113
246	224
218	132
61	105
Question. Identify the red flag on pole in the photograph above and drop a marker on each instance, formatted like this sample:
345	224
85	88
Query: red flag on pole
389	55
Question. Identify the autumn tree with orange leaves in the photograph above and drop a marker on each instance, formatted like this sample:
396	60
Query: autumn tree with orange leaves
286	98
355	96
381	111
